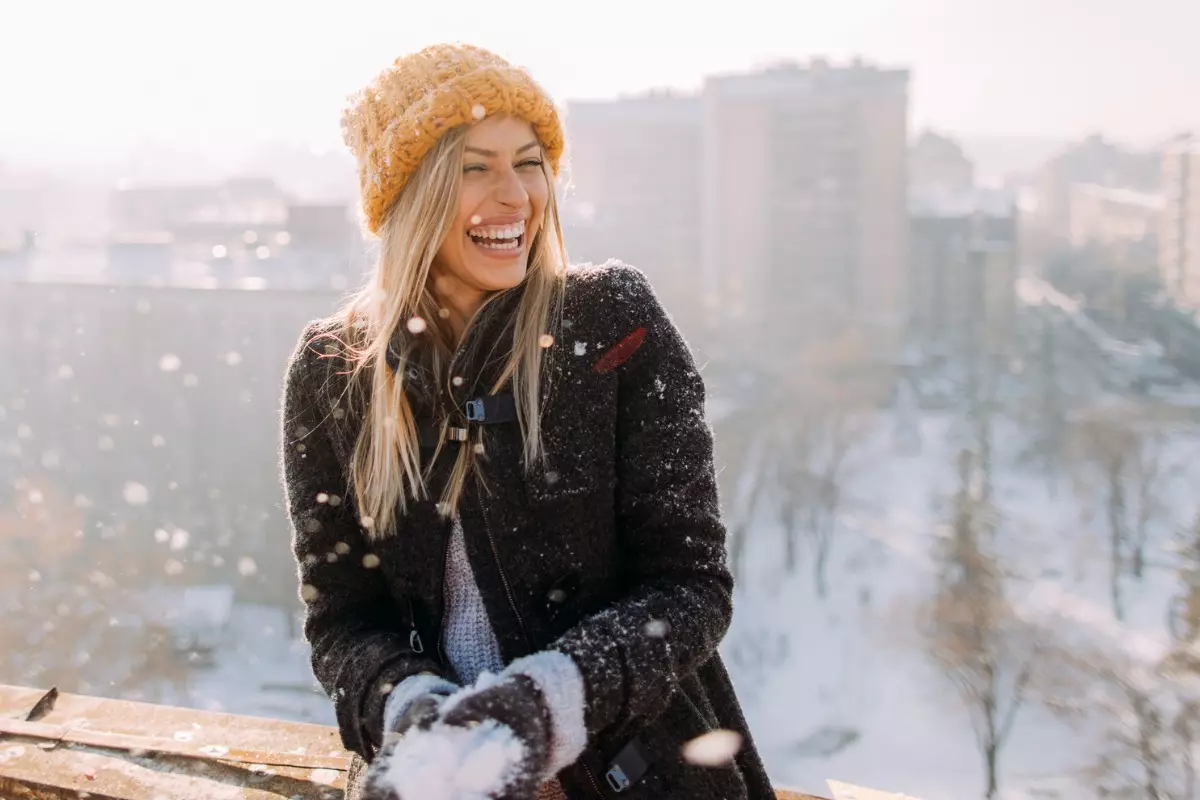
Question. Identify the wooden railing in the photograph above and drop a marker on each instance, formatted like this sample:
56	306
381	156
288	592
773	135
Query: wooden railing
68	746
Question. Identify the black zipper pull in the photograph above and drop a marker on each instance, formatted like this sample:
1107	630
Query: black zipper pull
414	636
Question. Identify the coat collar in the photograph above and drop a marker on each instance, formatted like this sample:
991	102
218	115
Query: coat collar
475	367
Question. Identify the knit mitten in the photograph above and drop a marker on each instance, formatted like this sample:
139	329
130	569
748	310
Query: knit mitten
491	740
415	702
413	705
499	739
515	704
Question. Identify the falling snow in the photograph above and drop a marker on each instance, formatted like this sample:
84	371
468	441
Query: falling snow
713	749
136	494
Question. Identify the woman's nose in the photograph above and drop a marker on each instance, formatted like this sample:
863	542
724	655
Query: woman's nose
510	191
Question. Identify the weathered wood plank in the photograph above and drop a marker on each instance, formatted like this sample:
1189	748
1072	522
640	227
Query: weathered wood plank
101	748
122	750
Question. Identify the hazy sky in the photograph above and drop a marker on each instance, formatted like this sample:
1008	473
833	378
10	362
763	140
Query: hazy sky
90	75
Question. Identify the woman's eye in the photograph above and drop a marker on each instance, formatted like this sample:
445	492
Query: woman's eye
531	162
474	168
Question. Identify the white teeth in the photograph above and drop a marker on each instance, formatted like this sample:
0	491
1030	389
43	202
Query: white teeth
511	244
502	232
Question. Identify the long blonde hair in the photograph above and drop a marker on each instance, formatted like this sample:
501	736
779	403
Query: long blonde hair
386	471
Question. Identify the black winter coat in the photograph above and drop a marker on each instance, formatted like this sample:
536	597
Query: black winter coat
612	551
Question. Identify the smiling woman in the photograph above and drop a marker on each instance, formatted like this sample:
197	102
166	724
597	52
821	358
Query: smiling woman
502	199
520	595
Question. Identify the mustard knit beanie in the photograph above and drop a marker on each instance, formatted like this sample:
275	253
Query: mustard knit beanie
395	120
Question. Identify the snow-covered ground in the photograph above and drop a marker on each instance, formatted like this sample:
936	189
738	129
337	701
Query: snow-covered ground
260	671
841	687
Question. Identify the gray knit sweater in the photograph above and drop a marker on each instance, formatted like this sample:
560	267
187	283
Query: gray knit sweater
471	645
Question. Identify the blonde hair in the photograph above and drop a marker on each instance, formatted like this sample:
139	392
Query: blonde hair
386	470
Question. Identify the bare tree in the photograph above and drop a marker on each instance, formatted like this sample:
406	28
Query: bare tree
1120	462
811	483
1145	711
1043	414
973	633
788	449
1183	614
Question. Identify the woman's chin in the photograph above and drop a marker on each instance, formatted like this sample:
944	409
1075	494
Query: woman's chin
497	277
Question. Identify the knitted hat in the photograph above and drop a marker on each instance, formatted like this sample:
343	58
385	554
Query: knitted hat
393	122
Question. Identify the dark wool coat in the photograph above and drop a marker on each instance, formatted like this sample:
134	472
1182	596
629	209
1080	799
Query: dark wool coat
612	551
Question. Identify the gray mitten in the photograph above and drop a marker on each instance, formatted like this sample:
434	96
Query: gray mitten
499	739
415	702
412	705
516	703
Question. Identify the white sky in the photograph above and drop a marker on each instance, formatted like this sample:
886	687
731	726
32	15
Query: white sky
91	75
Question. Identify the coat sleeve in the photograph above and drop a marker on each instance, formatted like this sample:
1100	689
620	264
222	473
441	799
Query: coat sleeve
358	637
672	541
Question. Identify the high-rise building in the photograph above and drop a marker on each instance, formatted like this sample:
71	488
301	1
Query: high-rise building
772	204
1179	239
634	192
938	165
1122	224
963	271
804	218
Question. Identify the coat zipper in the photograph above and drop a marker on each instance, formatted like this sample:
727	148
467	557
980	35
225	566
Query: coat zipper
592	778
441	649
512	603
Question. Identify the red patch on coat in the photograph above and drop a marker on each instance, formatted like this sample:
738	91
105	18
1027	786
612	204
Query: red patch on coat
620	352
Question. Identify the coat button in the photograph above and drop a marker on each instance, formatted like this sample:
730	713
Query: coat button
562	590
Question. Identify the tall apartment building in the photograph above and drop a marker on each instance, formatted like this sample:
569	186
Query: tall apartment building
938	165
804	218
773	201
634	192
963	273
1179	239
1123	224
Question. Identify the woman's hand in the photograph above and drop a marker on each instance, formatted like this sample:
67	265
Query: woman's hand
416	702
490	741
513	702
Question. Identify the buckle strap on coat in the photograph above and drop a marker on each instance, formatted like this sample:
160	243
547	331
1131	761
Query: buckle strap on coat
488	410
627	768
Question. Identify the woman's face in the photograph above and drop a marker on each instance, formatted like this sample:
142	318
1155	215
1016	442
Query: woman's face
502	199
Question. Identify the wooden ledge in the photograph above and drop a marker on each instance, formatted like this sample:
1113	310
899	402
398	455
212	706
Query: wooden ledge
121	750
80	746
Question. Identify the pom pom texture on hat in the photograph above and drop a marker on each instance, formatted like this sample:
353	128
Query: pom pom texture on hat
394	121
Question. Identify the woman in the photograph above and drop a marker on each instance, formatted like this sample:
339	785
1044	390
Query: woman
500	478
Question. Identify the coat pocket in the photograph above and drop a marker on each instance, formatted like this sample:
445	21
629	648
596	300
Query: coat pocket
650	765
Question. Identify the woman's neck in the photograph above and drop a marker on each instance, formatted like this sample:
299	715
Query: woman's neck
461	308
459	300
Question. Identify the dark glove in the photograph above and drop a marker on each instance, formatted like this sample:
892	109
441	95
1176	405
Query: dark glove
415	702
420	713
414	705
515	702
